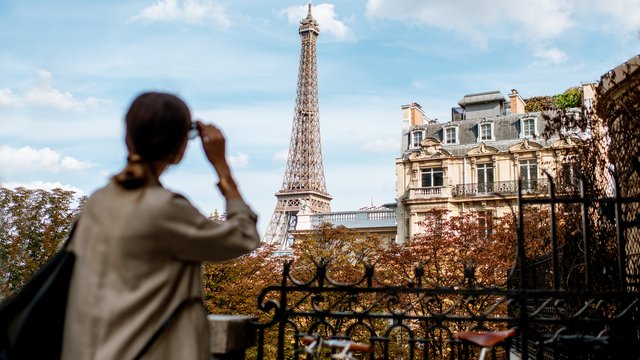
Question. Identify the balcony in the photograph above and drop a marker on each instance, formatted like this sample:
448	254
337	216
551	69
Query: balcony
356	219
430	192
536	186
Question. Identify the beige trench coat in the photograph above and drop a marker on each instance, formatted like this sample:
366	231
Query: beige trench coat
138	256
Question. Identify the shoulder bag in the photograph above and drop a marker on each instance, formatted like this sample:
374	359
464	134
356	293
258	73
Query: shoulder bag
32	321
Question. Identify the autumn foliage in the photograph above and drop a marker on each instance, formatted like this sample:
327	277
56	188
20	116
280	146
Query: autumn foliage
33	224
448	249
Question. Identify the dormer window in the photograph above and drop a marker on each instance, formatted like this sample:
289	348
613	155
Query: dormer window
450	134
569	122
485	131
528	127
416	138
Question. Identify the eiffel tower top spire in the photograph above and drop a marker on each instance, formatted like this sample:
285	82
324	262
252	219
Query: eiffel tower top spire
303	187
309	23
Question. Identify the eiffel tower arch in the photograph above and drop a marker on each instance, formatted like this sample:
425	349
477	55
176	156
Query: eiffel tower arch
303	187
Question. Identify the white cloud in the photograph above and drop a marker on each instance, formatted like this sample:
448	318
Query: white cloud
44	94
28	159
8	98
467	18
281	156
626	14
382	145
480	20
44	185
187	11
542	19
240	160
326	17
552	55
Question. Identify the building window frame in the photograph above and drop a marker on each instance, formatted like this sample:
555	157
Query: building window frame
435	176
485	222
488	125
486	173
567	125
447	131
529	174
588	103
416	138
568	176
528	127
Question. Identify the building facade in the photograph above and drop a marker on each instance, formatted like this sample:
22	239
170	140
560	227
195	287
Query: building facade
474	161
619	105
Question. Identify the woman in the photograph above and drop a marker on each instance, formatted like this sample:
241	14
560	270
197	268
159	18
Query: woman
139	246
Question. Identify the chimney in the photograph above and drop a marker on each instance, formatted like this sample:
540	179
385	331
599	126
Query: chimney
413	114
517	104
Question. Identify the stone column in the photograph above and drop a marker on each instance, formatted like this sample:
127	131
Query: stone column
230	336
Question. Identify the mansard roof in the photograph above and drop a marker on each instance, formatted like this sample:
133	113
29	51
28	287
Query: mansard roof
505	128
506	135
483	97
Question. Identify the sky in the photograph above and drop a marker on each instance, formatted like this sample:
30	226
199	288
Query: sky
69	70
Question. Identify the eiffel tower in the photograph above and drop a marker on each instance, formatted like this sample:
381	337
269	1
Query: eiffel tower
303	188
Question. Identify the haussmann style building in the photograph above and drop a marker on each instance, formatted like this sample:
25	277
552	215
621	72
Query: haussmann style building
474	161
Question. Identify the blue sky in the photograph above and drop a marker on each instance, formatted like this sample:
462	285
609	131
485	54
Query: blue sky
69	69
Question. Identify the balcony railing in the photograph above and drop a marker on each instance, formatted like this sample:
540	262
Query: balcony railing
536	186
429	192
357	219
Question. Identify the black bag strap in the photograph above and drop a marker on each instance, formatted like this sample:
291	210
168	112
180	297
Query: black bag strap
166	323
70	234
18	301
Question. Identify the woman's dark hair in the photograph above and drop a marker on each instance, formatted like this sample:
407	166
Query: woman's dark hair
157	125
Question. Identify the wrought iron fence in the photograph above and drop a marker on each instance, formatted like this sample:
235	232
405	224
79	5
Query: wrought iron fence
587	319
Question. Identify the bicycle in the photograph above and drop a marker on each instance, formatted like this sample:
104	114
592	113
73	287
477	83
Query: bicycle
314	346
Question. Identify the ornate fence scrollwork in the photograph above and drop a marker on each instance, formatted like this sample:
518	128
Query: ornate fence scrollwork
416	322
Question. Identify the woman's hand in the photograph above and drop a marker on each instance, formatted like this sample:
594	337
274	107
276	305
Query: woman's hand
213	143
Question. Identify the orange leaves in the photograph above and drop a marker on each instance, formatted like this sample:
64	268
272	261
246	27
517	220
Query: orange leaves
33	224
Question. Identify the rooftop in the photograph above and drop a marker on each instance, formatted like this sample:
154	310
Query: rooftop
483	97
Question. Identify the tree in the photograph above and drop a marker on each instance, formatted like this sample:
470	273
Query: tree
33	224
570	98
344	250
538	103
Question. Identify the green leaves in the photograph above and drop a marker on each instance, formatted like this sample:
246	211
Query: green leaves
570	98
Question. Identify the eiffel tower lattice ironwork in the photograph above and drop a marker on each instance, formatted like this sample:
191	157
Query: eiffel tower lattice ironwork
303	188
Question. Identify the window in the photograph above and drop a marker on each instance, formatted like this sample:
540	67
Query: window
485	177
432	177
433	222
528	127
485	223
450	136
529	174
486	133
569	123
417	138
588	102
568	175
